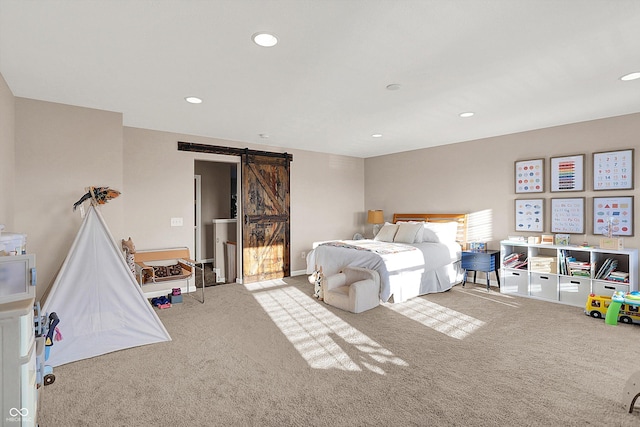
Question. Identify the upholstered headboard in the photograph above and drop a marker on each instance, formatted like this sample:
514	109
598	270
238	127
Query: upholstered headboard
461	219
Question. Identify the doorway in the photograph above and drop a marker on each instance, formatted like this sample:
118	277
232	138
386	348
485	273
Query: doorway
263	217
215	210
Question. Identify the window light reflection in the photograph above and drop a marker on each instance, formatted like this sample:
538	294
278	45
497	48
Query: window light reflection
313	330
441	319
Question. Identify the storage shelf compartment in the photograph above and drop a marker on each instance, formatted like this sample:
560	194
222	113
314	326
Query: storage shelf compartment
544	285
574	290
604	287
515	281
559	285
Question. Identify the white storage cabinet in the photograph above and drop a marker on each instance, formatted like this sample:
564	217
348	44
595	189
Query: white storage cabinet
564	288
19	358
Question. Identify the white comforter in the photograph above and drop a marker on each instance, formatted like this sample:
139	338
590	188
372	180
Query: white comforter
415	269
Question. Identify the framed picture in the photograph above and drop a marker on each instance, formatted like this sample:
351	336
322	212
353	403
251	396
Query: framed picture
613	170
567	173
529	176
615	213
567	215
529	215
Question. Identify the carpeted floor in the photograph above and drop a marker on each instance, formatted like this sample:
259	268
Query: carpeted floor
271	355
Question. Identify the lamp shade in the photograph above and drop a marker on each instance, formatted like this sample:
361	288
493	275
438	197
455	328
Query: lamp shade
375	217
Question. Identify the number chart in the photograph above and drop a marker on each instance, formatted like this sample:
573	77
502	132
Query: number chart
613	170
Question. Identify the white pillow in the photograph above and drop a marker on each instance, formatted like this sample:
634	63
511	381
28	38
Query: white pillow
408	233
386	233
428	235
446	231
420	234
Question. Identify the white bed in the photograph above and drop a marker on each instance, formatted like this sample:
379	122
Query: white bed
407	267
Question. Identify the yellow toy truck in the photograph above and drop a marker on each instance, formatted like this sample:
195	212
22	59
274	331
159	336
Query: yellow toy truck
597	306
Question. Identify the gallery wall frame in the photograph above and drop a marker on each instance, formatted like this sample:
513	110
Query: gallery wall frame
568	215
567	173
613	170
529	215
529	176
614	212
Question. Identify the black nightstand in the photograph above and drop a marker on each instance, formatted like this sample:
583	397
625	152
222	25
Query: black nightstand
486	261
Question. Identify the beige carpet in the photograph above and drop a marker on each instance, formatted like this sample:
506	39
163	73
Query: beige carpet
272	355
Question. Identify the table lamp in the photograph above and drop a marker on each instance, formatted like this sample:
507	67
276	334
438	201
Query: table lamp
375	217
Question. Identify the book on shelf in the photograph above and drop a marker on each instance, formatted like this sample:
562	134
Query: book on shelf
618	276
607	267
515	260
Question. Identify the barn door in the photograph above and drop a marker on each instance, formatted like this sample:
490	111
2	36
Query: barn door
265	229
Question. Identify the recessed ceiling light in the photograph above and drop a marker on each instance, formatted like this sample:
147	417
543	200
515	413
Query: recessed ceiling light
193	100
393	86
467	114
264	39
376	135
631	76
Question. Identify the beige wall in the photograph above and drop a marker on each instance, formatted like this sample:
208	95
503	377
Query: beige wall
7	154
478	176
60	150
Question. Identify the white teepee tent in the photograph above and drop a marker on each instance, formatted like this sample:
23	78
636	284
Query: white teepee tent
99	303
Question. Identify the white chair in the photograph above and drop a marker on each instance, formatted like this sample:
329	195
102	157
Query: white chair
354	289
631	391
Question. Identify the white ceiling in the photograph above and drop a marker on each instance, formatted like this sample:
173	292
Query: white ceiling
518	64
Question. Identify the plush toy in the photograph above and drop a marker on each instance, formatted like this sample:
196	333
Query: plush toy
129	249
316	278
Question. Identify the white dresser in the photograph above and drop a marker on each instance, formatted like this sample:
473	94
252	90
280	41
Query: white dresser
18	353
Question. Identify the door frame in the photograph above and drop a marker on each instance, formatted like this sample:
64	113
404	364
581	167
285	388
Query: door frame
198	217
237	153
236	161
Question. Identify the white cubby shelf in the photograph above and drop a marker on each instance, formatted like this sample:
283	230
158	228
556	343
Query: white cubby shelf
546	277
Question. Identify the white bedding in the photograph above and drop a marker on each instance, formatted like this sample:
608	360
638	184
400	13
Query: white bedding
416	269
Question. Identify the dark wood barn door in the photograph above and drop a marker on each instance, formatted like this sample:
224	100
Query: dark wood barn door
266	222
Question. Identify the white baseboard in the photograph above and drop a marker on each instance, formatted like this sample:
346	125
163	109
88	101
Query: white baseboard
298	273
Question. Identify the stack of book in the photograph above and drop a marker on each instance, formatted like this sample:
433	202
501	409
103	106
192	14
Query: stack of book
570	266
618	276
515	260
543	264
579	268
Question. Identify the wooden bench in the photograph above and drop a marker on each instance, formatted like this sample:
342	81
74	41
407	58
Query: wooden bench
178	259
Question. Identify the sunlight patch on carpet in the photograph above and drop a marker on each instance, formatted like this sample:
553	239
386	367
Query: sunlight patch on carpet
442	319
265	284
493	297
322	338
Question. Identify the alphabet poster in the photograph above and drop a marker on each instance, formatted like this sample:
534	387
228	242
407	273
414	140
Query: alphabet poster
567	215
